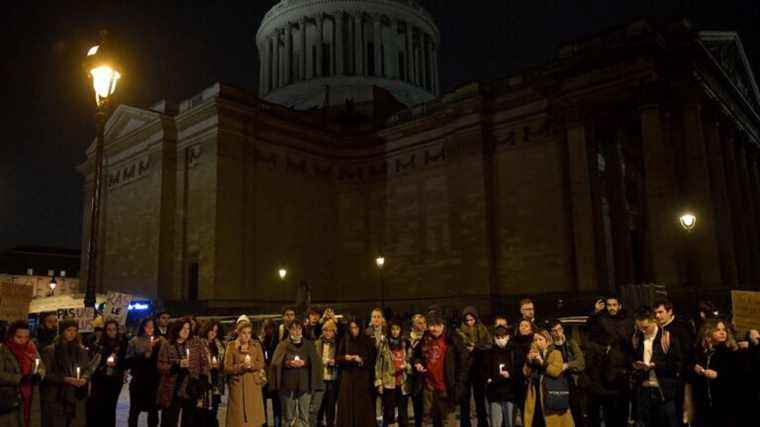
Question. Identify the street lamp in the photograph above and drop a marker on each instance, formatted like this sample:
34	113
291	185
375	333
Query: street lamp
282	273
103	70
52	285
688	221
380	262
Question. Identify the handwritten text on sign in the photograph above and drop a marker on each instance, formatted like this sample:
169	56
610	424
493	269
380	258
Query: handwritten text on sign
746	307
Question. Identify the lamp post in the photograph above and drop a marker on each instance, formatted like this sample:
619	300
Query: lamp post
688	221
102	69
380	262
52	285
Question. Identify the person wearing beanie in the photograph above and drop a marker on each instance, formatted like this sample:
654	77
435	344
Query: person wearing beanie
66	378
323	400
441	358
502	370
477	340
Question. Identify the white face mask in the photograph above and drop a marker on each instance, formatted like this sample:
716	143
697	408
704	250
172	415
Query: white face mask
501	342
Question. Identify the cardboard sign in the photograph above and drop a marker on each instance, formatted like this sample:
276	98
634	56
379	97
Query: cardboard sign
746	309
83	316
116	307
14	301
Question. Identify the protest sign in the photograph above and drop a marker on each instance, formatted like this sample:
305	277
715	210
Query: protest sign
14	301
83	316
746	309
116	307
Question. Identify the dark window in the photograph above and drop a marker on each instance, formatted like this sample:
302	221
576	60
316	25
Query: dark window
192	281
326	59
370	59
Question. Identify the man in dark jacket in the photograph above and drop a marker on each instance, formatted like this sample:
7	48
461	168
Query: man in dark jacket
47	330
682	332
657	368
441	358
502	369
477	340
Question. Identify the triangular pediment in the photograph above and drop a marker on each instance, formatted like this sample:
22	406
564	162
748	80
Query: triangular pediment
125	120
726	48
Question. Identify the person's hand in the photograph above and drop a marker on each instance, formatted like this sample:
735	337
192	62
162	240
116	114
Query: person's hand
379	389
148	354
564	367
299	363
504	373
639	365
70	381
419	367
184	363
711	374
754	336
699	370
599	306
358	359
743	345
330	362
470	347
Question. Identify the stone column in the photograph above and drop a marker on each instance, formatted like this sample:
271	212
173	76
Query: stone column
288	54
745	183
302	62
339	50
702	243
722	208
435	71
418	61
741	246
276	59
320	43
358	47
377	34
408	52
660	232
263	66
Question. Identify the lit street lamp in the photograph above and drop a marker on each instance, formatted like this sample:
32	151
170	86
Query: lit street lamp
688	221
380	262
282	273
52	285
103	70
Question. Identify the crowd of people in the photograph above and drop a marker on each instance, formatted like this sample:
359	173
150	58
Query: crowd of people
652	368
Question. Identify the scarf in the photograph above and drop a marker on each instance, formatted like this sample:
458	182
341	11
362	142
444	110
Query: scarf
25	356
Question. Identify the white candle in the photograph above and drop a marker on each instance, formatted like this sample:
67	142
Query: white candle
247	358
111	359
214	361
36	364
501	367
297	358
187	352
78	372
151	340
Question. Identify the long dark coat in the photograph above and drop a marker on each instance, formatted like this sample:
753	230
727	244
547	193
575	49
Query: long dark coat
356	408
62	404
144	370
10	377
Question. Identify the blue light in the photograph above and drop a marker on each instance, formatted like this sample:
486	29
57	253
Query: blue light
138	306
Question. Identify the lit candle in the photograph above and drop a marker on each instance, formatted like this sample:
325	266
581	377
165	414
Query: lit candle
36	364
78	373
111	359
501	367
297	358
247	358
151	340
187	352
214	361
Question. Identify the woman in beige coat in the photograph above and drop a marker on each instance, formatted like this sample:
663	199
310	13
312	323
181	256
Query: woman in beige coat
543	360
244	363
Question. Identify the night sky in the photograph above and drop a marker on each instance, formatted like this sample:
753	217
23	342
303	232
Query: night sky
176	49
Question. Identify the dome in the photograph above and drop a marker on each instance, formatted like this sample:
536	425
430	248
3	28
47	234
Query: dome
318	52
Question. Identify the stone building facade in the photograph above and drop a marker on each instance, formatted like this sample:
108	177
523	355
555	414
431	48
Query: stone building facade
563	180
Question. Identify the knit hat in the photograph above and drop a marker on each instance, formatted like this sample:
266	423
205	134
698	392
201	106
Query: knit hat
243	318
434	318
67	323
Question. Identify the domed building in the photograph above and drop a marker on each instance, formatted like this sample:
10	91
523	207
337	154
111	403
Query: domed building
322	52
562	181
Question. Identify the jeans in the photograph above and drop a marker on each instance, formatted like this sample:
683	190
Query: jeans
295	408
438	408
276	410
479	394
501	414
652	411
322	404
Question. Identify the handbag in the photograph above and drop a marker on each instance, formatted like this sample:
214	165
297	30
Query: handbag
556	393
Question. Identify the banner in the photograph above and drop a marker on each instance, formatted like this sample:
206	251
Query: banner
14	301
746	309
83	316
116	307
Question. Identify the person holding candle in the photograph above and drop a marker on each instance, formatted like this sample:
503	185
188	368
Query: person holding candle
210	334
502	371
184	367
244	364
296	375
323	401
391	369
356	359
141	358
66	378
108	375
20	370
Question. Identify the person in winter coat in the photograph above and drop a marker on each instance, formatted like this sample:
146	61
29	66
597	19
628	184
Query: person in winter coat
683	332
477	340
356	360
296	375
542	361
502	369
142	359
391	369
717	376
210	335
416	379
44	336
269	341
244	363
109	354
323	400
573	367
66	379
442	359
313	328
184	366
21	369
657	367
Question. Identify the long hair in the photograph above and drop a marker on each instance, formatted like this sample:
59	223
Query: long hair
706	331
209	326
143	324
176	326
15	326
